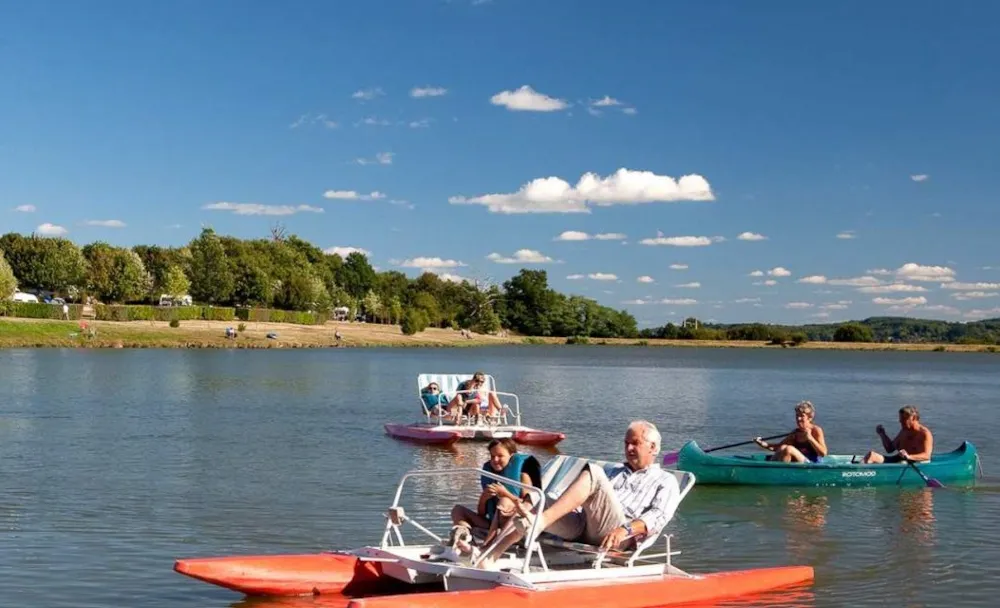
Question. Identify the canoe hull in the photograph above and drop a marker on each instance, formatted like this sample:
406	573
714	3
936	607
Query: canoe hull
957	466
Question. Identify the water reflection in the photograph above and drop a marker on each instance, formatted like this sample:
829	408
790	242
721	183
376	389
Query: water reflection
805	519
917	517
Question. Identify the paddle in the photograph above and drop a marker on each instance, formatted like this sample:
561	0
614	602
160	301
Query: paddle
930	481
671	458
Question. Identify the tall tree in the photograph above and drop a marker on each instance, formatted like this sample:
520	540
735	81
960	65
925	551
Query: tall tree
8	283
211	277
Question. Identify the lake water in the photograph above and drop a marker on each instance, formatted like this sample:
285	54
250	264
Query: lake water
116	462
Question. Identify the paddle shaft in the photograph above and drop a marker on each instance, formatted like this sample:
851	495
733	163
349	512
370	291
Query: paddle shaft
735	445
931	483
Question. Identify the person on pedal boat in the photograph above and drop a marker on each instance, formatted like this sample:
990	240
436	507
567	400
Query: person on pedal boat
435	401
611	510
806	444
470	397
497	502
913	442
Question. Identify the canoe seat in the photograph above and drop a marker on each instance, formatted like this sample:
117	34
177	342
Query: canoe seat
449	387
562	470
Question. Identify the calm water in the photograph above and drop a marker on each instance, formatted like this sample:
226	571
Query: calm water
114	463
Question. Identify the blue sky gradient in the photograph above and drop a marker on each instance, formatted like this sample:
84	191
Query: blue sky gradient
131	122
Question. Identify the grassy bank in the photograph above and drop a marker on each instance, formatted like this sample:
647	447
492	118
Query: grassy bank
18	332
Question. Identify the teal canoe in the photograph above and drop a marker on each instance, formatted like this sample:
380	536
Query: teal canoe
834	471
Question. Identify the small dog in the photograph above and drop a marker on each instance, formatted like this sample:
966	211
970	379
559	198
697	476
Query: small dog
459	547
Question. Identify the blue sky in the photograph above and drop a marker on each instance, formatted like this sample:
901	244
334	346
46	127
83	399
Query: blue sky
859	139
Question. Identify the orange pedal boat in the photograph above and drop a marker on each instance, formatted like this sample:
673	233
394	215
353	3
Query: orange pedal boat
548	572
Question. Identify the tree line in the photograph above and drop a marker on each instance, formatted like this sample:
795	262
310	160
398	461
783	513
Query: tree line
289	273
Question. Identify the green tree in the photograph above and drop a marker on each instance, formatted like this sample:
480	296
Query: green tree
853	332
211	277
395	310
116	274
373	305
414	321
8	283
175	282
357	276
52	264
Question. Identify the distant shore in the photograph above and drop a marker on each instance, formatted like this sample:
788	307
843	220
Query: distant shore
26	333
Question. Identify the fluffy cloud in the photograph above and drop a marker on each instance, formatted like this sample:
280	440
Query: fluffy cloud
625	186
892	288
911	301
48	229
381	158
602	276
692	285
815	279
798	305
453	278
970	286
368	94
779	272
751	236
920	177
573	235
25	208
865	281
351	195
757	273
429	263
747	301
345	251
678	267
681	241
646	279
574	277
423	123
679	301
606	102
929	274
841	305
312	119
526	99
980	313
610	236
847	235
419	92
521	256
767	283
106	223
879	271
258	209
975	295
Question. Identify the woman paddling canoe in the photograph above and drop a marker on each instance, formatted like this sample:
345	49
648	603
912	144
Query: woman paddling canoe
806	444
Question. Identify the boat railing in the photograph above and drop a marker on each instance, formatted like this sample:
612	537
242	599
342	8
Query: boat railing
396	515
442	403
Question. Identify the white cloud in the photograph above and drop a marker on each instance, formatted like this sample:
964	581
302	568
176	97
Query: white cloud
679	302
602	276
574	277
879	271
646	279
757	273
751	236
428	91
521	256
815	279
798	305
381	158
526	99
767	283
630	111
428	263
573	235
970	286
373	121
625	186
865	281
26	208
920	177
48	229
606	102
610	236
368	94
681	241
892	288
911	301
980	313
106	223
747	301
847	235
975	295
692	285
259	209
820	315
345	251
779	272
422	123
351	195
312	119
949	310
637	302
453	278
842	305
678	267
930	274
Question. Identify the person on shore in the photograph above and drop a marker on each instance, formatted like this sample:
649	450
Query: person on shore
470	397
497	502
634	500
806	444
913	442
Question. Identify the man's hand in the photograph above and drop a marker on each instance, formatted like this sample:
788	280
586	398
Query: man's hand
614	539
880	430
904	455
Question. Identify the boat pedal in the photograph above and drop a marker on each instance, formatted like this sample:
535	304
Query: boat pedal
397	515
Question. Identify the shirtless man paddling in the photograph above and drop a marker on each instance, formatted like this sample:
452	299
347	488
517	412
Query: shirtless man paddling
914	441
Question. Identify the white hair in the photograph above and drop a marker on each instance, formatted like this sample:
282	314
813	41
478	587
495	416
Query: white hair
648	432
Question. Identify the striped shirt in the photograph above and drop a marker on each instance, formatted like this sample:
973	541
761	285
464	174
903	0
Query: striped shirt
648	494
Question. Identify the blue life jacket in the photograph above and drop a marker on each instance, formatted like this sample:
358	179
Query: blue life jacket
519	463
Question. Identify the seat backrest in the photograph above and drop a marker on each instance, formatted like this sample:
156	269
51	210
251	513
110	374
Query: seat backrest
449	383
559	472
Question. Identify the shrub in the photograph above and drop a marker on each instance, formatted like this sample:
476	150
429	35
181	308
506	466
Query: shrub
242	327
853	332
33	310
175	323
213	313
578	340
532	340
414	321
642	343
799	338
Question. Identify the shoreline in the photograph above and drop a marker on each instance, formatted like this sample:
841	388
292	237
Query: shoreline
44	333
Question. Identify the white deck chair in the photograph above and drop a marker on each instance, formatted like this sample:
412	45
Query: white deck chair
448	383
562	470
